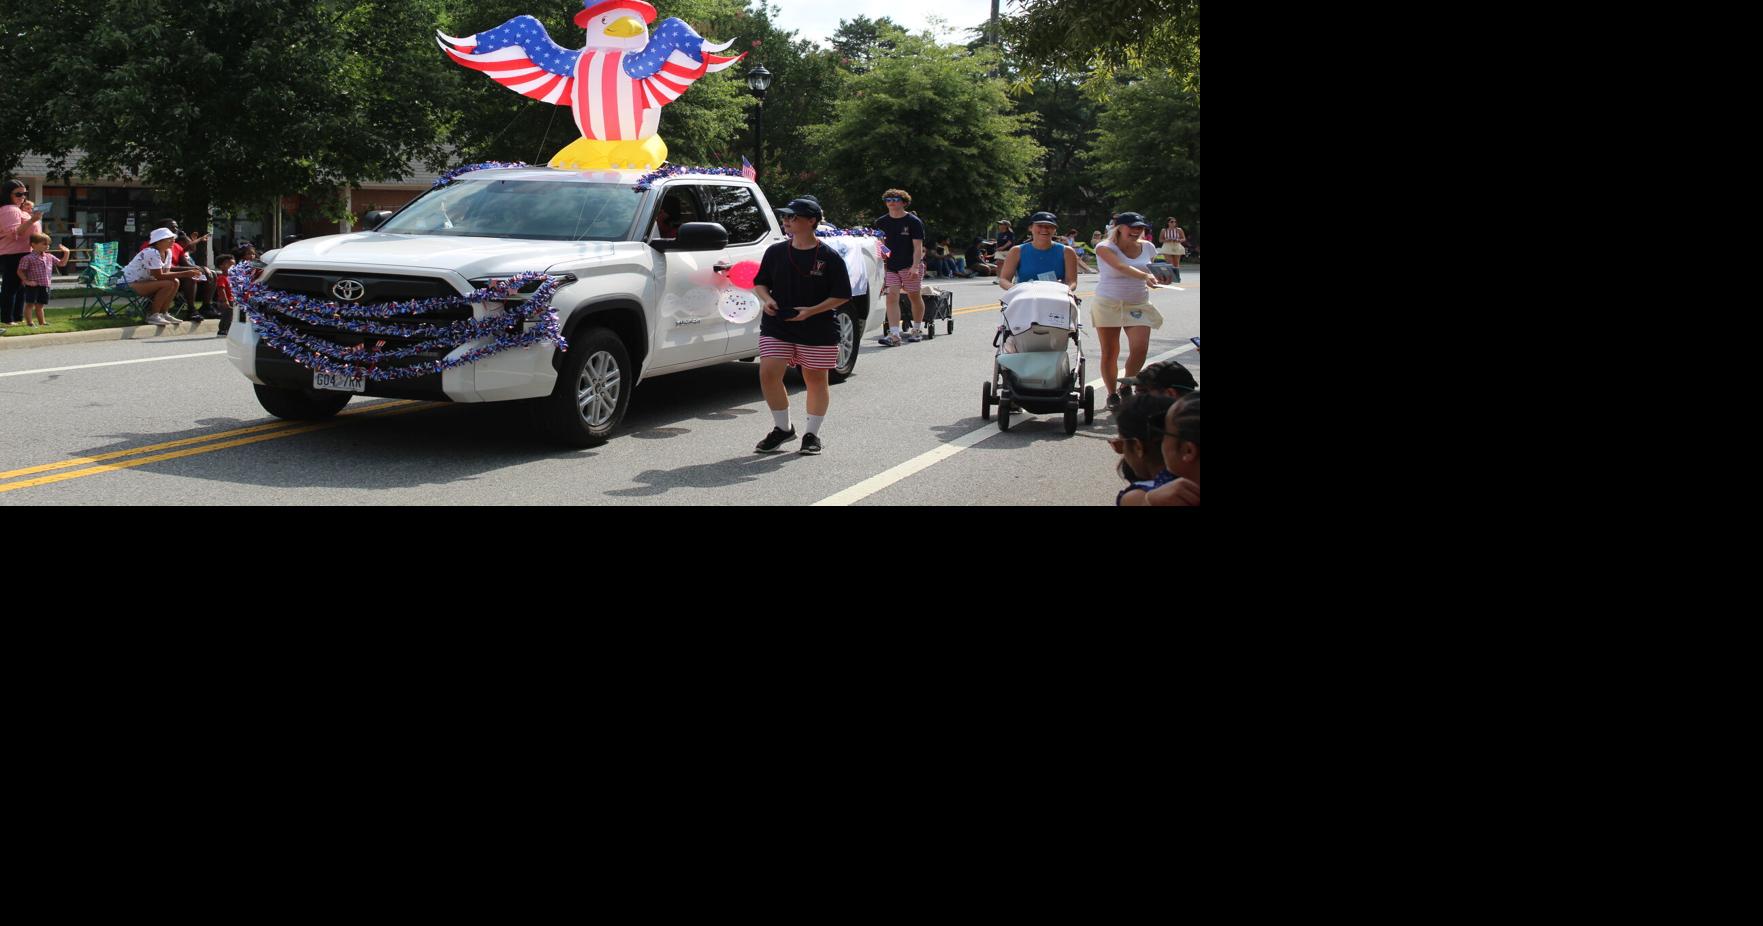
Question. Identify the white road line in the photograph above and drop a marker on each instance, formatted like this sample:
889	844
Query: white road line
114	363
874	484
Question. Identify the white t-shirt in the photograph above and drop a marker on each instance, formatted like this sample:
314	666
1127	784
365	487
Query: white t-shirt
140	270
1123	286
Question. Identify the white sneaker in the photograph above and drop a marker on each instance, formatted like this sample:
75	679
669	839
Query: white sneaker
158	320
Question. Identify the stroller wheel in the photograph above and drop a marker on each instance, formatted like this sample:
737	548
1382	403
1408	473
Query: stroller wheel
1071	418
985	403
1089	404
1004	412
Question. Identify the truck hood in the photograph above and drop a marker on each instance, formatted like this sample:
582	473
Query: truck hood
468	257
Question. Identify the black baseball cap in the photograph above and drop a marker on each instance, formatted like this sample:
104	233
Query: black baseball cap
1044	218
1165	375
1133	219
803	205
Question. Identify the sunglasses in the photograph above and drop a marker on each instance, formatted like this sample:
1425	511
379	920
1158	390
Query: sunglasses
892	199
18	193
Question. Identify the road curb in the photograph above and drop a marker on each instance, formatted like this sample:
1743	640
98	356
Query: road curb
130	333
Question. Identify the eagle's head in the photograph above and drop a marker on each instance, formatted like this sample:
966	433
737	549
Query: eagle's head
620	25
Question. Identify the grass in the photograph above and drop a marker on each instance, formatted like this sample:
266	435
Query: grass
67	319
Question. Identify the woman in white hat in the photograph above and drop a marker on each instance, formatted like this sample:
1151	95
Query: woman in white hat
150	274
1123	299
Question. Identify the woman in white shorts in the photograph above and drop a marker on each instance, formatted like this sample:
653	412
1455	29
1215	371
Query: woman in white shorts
1123	298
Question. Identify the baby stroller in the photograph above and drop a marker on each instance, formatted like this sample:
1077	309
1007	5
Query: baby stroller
1032	371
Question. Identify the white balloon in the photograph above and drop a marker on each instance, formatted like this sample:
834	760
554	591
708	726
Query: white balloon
739	306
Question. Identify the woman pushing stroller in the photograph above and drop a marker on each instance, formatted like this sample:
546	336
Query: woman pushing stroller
1040	258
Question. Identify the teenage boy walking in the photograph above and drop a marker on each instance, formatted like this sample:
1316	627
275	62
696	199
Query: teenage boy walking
905	267
800	283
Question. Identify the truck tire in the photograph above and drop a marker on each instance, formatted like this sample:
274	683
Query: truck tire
300	404
850	337
592	392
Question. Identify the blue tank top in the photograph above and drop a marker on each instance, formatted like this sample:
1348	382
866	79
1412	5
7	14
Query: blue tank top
1033	264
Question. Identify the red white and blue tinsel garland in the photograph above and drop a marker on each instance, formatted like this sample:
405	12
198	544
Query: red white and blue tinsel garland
521	324
455	173
648	180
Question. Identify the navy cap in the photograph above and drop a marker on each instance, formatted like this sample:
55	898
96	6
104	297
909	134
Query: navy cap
1044	218
1165	374
803	205
1132	219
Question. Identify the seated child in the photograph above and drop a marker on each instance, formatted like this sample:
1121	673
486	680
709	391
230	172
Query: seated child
1140	445
1181	454
223	292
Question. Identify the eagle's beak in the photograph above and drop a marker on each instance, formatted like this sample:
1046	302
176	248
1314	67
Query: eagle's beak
625	28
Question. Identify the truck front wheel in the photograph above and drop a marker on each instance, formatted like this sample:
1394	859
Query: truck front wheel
850	337
592	391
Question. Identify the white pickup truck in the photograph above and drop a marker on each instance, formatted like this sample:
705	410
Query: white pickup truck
641	281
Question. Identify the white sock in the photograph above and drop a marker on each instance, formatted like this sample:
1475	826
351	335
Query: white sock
894	330
814	423
781	419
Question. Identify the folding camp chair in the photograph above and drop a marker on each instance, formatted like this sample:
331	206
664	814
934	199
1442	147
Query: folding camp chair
114	296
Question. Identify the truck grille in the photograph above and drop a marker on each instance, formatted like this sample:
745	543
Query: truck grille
379	288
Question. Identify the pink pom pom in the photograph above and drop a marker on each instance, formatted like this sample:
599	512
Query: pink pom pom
742	274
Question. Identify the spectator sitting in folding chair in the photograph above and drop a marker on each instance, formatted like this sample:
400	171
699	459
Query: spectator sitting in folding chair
150	274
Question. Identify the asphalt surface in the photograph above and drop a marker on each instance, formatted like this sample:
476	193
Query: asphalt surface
168	421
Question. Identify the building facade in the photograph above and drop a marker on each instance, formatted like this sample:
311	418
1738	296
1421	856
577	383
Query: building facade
91	210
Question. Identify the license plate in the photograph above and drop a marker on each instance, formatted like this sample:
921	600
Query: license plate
337	383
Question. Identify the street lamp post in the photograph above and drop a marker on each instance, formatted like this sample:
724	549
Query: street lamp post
759	81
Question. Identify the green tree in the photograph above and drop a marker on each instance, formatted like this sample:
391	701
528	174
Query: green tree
860	42
1067	115
1148	153
1071	36
805	84
229	102
932	124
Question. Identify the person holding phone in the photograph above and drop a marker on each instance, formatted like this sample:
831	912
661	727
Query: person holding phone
19	220
1123	301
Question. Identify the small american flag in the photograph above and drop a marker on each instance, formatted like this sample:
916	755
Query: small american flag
747	170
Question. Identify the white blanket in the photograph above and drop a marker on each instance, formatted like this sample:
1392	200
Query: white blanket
1039	303
859	253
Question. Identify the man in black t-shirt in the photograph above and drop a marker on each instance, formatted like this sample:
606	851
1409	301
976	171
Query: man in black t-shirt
905	267
800	283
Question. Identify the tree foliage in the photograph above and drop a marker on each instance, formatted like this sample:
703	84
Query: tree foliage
935	125
1071	36
1148	154
229	103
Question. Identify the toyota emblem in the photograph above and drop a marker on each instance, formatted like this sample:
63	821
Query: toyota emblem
348	290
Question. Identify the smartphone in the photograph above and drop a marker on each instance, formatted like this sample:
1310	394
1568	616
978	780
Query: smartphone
1196	343
43	209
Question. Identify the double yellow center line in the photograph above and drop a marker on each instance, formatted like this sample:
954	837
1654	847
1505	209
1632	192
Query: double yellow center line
274	430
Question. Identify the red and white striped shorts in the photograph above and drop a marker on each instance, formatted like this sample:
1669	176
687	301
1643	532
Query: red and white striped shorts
906	281
806	356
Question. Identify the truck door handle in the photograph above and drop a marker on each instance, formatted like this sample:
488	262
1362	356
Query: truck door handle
721	266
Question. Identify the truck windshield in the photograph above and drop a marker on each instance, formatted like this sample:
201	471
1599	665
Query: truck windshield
540	210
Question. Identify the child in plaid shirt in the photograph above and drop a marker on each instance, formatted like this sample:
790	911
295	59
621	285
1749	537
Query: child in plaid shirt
35	269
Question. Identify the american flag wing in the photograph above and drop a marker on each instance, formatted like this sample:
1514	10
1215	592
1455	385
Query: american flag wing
519	55
675	57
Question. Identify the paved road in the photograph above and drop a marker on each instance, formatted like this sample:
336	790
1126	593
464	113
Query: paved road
169	421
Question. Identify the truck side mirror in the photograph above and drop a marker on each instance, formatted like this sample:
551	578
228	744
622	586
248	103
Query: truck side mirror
374	220
694	236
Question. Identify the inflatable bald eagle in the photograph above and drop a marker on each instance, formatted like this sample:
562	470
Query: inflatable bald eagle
616	85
